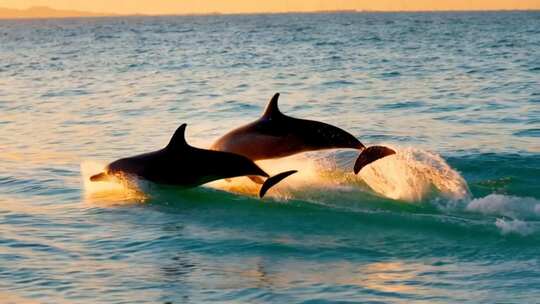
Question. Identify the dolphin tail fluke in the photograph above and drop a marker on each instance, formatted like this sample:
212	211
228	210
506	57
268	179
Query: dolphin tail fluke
271	181
101	177
370	155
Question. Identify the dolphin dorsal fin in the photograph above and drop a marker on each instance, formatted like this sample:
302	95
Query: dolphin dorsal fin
178	140
272	110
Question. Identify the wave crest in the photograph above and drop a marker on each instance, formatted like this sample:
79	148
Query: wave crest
505	205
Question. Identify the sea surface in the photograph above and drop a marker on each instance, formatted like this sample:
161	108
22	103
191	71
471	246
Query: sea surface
454	217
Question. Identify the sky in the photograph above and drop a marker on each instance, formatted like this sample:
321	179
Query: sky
246	6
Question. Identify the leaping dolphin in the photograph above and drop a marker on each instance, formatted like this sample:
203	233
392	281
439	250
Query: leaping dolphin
276	135
181	164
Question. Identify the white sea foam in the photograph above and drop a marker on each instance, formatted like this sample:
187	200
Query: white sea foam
517	212
505	205
514	226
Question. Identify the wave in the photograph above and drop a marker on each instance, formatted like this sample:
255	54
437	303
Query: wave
412	180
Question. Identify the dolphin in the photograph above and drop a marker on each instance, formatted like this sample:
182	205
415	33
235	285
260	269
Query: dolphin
276	135
183	165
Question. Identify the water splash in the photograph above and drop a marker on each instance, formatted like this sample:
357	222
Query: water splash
414	174
411	175
304	181
113	191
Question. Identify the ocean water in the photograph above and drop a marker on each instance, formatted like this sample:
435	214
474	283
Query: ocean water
454	217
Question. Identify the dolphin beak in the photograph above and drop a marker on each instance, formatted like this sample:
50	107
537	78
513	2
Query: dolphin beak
99	177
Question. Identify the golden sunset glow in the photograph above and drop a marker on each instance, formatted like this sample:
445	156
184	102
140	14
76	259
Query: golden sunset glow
247	6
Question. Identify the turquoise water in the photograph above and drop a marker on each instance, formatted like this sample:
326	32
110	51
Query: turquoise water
454	217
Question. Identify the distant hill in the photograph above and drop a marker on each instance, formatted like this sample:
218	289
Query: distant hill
44	12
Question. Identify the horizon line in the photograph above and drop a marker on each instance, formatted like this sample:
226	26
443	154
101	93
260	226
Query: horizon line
91	14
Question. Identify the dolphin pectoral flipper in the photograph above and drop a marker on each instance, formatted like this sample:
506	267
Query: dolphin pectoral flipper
271	181
371	154
100	177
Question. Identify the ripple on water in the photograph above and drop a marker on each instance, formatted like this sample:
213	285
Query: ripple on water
337	83
528	133
403	105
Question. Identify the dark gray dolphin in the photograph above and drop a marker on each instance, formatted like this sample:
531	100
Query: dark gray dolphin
183	165
276	135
